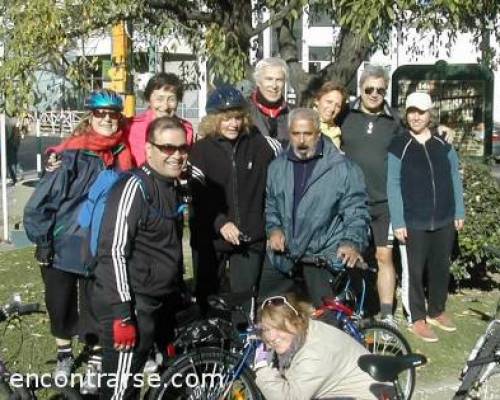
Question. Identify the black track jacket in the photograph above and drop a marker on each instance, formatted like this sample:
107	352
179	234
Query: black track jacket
140	247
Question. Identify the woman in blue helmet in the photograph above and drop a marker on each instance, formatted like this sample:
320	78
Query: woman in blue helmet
50	216
229	167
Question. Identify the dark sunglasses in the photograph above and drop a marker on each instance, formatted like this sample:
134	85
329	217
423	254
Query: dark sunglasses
170	149
110	114
370	89
278	301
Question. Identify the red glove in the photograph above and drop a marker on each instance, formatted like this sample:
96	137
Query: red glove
124	334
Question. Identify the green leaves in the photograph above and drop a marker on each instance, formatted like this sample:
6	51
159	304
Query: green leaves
481	230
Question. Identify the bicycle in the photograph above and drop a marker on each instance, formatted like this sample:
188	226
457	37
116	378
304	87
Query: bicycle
385	368
345	311
226	369
482	364
27	386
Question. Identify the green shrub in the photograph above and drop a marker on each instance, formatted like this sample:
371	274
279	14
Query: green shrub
482	222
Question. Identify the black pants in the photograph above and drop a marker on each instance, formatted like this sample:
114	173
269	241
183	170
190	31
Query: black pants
61	300
427	254
244	271
313	284
155	322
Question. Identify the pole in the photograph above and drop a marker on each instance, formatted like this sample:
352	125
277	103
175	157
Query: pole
38	146
3	151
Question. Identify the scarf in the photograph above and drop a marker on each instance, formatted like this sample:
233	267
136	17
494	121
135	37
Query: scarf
110	149
272	110
285	359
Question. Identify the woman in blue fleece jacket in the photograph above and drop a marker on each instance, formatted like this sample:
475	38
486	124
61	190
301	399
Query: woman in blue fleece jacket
426	206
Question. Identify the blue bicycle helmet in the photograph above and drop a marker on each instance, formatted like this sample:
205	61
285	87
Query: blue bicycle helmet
104	99
224	98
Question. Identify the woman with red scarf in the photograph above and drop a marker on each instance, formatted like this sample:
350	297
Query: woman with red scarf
51	214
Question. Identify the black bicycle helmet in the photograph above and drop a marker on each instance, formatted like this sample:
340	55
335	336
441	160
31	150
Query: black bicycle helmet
104	99
224	98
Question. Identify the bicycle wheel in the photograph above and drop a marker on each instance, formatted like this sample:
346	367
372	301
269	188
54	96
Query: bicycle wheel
473	378
380	338
201	375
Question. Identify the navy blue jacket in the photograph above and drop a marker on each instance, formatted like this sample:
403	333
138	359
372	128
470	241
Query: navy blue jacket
423	183
51	214
332	211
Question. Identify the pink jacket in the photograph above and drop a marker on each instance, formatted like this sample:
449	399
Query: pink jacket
135	134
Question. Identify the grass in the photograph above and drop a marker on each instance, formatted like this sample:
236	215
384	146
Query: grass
470	309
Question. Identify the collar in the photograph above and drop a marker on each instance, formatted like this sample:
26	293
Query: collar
151	172
386	110
317	154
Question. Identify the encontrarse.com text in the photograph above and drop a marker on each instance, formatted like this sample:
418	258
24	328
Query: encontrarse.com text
178	380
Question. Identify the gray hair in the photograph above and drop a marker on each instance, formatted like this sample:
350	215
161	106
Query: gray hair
374	71
270	62
307	114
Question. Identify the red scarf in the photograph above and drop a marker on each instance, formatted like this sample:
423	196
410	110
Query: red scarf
106	147
268	111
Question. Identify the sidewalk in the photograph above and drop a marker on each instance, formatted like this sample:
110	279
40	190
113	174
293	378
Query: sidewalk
17	197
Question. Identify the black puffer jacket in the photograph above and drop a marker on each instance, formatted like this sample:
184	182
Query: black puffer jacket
229	184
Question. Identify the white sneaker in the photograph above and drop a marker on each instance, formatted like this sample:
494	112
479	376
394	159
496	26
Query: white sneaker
90	383
390	320
62	373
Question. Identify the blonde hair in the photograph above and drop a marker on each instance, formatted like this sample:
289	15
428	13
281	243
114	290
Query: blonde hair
210	124
282	316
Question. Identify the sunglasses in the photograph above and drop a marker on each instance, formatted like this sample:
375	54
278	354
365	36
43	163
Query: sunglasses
170	149
111	114
370	89
278	301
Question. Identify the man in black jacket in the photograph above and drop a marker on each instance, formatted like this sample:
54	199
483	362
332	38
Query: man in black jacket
367	131
138	259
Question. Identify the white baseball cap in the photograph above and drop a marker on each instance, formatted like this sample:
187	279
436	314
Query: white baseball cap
419	100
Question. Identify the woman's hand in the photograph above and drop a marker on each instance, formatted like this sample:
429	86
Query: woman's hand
401	234
276	241
230	233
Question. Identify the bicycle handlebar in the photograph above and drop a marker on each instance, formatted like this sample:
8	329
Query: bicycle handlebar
322	262
17	308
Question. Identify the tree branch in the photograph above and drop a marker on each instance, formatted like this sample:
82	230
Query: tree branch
275	17
185	13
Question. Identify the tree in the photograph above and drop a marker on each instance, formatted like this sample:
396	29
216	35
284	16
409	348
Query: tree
36	33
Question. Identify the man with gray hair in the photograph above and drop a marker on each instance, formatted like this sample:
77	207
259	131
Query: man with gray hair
367	131
315	206
268	107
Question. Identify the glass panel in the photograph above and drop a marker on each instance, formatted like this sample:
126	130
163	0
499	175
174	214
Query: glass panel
459	105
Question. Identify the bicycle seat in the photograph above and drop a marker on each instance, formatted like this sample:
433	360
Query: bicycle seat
229	301
384	368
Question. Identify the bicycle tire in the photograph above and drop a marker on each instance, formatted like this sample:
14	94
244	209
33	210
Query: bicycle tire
472	374
200	362
381	338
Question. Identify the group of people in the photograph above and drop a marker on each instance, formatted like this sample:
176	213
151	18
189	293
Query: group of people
270	185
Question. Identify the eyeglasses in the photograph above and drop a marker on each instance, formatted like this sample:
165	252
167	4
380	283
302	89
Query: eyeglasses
170	149
370	89
278	301
111	114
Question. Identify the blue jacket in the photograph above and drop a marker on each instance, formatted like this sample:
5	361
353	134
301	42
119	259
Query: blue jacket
51	214
423	183
332	211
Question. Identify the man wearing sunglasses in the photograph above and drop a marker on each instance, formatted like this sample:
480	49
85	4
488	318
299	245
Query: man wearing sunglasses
315	206
138	273
367	131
